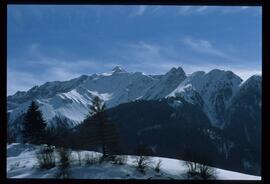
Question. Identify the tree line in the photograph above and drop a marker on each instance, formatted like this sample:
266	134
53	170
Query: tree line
35	130
103	136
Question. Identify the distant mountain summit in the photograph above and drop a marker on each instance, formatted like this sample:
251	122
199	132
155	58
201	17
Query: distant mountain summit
165	84
118	69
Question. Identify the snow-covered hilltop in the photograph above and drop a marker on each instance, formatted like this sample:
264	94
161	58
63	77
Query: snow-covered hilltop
22	163
213	91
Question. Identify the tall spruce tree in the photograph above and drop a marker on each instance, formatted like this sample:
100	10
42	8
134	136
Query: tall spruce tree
106	135
34	125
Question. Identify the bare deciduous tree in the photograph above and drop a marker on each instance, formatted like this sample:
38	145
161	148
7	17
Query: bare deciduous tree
45	157
120	159
64	161
158	166
197	170
143	160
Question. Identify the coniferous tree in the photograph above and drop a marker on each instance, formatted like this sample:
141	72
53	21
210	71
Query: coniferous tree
106	134
34	125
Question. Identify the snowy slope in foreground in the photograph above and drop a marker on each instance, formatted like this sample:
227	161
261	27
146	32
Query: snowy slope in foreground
21	163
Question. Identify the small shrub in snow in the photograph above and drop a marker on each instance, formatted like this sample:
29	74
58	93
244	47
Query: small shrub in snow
207	172
64	162
120	159
143	160
142	163
106	158
91	159
45	157
14	166
79	154
158	165
199	171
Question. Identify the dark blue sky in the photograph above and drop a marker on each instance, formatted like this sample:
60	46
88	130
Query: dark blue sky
56	42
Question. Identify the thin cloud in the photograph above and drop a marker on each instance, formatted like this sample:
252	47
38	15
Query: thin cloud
199	10
60	74
158	59
244	7
202	9
143	47
53	69
246	73
203	46
78	65
183	10
140	10
19	80
240	9
206	47
150	58
193	10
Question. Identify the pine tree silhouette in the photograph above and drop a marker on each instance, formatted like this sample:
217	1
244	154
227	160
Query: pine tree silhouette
106	134
34	125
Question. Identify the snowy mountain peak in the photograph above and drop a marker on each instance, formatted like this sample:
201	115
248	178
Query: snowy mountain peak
198	73
255	78
176	71
253	81
118	69
34	88
221	78
222	74
20	93
217	73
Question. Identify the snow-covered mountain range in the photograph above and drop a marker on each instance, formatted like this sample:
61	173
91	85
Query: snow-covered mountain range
165	111
212	91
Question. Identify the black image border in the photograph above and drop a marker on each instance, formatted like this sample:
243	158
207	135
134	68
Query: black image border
265	78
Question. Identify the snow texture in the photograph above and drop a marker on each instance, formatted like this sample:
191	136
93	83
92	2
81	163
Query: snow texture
21	163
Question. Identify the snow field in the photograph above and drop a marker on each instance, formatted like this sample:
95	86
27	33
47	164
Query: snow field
22	163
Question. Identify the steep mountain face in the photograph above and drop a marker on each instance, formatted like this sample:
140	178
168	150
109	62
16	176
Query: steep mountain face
166	84
188	89
215	88
244	121
244	113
